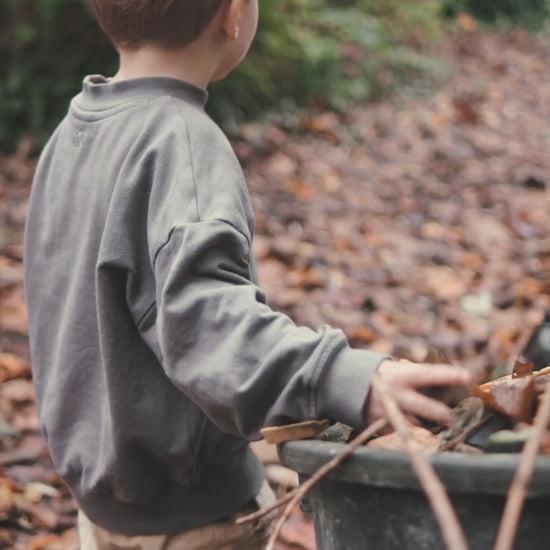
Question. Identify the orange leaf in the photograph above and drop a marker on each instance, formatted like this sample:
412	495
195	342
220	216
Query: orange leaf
301	190
466	22
512	396
12	366
362	333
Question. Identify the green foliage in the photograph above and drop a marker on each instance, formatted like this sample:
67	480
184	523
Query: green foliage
326	52
46	47
531	13
329	52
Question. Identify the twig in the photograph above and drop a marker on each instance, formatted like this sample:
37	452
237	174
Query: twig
442	508
524	471
264	511
363	436
299	493
541	372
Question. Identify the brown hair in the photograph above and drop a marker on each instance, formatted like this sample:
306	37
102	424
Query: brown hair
132	23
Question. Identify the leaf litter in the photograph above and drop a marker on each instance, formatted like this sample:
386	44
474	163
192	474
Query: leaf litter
418	225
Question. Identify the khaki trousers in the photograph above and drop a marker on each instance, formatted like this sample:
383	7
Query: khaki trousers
224	535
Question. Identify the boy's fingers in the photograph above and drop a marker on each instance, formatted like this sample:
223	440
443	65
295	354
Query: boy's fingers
435	375
413	420
419	405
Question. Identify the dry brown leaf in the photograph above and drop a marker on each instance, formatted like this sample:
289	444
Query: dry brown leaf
13	311
68	540
466	22
522	368
444	283
18	391
324	123
514	397
362	333
44	542
332	182
305	277
298	532
11	272
42	517
466	111
7	501
302	190
12	366
281	166
423	438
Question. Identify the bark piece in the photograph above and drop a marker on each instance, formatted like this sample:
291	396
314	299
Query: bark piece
291	432
466	416
337	432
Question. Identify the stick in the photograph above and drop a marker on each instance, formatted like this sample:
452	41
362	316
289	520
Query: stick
435	491
524	471
364	436
264	511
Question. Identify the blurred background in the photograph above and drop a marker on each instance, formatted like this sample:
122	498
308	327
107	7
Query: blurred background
324	52
398	159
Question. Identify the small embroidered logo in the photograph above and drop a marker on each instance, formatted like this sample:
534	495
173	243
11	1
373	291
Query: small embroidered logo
77	138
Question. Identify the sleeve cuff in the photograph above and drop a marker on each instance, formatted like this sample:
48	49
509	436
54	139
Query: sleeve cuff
345	386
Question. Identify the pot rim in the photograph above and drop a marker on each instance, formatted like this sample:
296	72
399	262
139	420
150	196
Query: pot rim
488	473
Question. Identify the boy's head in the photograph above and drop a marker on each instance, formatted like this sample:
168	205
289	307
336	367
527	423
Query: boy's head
226	27
170	23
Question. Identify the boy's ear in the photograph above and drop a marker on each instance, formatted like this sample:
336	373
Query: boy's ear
231	18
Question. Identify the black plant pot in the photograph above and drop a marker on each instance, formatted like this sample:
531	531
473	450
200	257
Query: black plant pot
373	501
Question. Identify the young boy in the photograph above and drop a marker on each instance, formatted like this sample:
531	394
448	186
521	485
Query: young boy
155	356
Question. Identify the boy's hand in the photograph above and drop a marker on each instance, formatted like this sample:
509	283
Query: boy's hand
403	379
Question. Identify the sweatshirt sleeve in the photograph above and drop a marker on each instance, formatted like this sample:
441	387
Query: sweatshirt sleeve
245	365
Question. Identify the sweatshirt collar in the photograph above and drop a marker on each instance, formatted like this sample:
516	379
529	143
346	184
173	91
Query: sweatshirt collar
101	92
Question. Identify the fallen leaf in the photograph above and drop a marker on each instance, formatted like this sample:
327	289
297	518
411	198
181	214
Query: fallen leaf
443	282
13	311
325	123
466	22
362	333
11	273
302	190
35	491
18	391
522	368
424	440
12	366
512	396
42	517
6	496
299	532
68	540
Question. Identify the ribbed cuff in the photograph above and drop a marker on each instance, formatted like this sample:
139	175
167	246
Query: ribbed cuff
344	388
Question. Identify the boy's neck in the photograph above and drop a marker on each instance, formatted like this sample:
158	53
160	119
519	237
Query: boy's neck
191	64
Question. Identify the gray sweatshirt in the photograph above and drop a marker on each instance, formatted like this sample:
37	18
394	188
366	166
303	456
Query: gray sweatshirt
155	357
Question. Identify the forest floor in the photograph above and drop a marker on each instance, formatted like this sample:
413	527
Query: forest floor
419	226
